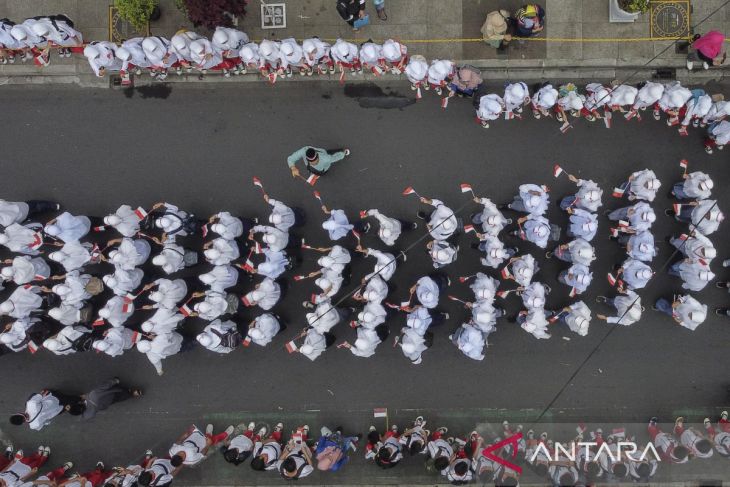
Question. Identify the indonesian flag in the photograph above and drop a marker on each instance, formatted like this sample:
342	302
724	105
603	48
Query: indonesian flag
185	310
611	279
380	413
607	118
509	115
272	78
312	180
408	190
126	307
363	214
42	60
32	347
248	266
444	102
356	234
140	213
376	71
204	230
619	433
618	192
100	228
405	304
98	322
684	236
256	247
246	341
291	347
677	207
418	92
353	324
565	127
299	277
573	292
464	278
257	182
630	115
245	300
469	228
557	170
506	274
465	188
623	224
502	294
614	232
318	196
313	298
683	164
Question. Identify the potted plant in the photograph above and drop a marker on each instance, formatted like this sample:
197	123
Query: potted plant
212	13
138	12
634	6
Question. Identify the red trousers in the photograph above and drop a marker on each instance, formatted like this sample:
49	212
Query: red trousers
215	439
97	477
36	460
56	474
653	431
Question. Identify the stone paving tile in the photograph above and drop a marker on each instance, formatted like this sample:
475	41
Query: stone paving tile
568	50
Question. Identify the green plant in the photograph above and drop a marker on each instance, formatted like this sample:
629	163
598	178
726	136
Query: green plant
634	6
136	12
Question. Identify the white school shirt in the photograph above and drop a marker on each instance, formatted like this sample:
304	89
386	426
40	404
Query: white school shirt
443	222
107	57
119	340
268	325
218	304
41	410
228	251
165	320
691	185
385	266
204	55
638	188
442	253
13	212
412	337
492	251
66	314
575	246
274	265
629	275
131	253
315	340
137	55
376	290
484	285
23	239
628	309
534	206
66	337
129	224
314	51
77	289
584	186
523	269
471	341
337	225
687	305
416	70
71	227
62	34
386	223
324	317
350	52
172	292
641	239
536	324
271	294
127	281
623	95
174	257
546	97
427	292
193	446
162	48
236	39
419	320
578	310
371	342
233	225
288	218
697	108
26	269
704	225
490	107
280	238
296	58
163	346
183	39
119	310
224	276
25	300
646	96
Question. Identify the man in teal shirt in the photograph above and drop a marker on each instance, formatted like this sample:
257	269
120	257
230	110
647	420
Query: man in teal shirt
317	161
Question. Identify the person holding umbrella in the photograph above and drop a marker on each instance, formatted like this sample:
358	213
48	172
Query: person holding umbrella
708	49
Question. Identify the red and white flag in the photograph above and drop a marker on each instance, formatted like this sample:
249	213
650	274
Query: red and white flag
245	300
140	213
506	274
683	164
418	93
42	60
557	170
565	127
363	214
291	347
98	322
257	182
204	230
299	277
607	115
246	341
353	324
623	224
444	102
504	294
380	413
677	207
614	232
618	192
465	188
100	228
409	190
573	292
631	114
185	310
318	196
32	347
469	228
611	279
312	179
464	278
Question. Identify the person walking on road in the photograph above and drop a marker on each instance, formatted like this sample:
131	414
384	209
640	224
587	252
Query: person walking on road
41	408
103	396
317	161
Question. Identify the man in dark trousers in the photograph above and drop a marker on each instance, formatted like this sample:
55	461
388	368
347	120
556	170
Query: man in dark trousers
102	397
351	10
317	161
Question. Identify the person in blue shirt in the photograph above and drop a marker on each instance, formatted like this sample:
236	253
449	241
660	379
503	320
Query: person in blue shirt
317	161
331	450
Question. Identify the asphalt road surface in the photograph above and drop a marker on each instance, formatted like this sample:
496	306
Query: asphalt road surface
199	147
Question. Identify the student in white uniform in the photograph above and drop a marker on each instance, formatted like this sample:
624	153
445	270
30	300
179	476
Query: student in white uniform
220	336
470	340
491	219
628	308
125	221
24	269
532	199
643	185
160	53
220	251
67	227
442	222
22	239
160	347
264	295
40	409
226	225
116	341
22	302
123	282
102	58
263	329
192	446
685	310
696	185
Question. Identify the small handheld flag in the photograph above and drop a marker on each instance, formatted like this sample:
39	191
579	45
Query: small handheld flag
573	292
291	347
469	228
611	279
363	214
683	164
318	196
466	278
466	188
98	322
299	277
410	190
185	310
380	413
312	180
677	207
140	213
506	274
505	293
607	115
204	230
565	127
100	228
246	341
444	102
618	192
557	170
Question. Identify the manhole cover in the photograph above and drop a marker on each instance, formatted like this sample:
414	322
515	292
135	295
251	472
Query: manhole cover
670	19
273	15
120	29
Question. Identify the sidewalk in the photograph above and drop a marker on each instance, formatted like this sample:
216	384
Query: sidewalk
435	29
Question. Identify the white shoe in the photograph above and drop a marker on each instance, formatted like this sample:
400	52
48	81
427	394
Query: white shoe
251	426
209	429
229	430
705	66
262	432
690	65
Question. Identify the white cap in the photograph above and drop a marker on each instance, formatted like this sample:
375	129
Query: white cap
255	333
585	252
648	216
149	45
525	271
266	48
492	219
159	260
644	247
369	294
163	222
408	348
52	229
268	238
706	185
178	42
56	256
202	307
656	91
548	97
492	105
716	215
483	293
206	278
392	49
709	252
275	218
123	53
205	339
366	316
61	289
256	294
198	47
342	49
306	349
323	283
308	45
247	53
643	273
104	313
385	232
590	226
52	344
7	272
541	231
706	275
368	51
533	200
581	321
156	296
218	228
100	345
115	256
4	239
517	91
482	316
287	49
147	326
110	280
325	261
55	313
112	220
653	183
536	301
361	343
212	254
7	338
697	316
220	36
144	346
593	195
442	255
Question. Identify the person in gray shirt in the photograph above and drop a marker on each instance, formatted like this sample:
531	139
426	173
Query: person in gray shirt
103	396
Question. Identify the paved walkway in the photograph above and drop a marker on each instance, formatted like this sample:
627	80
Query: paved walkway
426	26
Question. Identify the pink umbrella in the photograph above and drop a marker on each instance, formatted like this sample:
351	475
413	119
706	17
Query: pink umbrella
710	44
